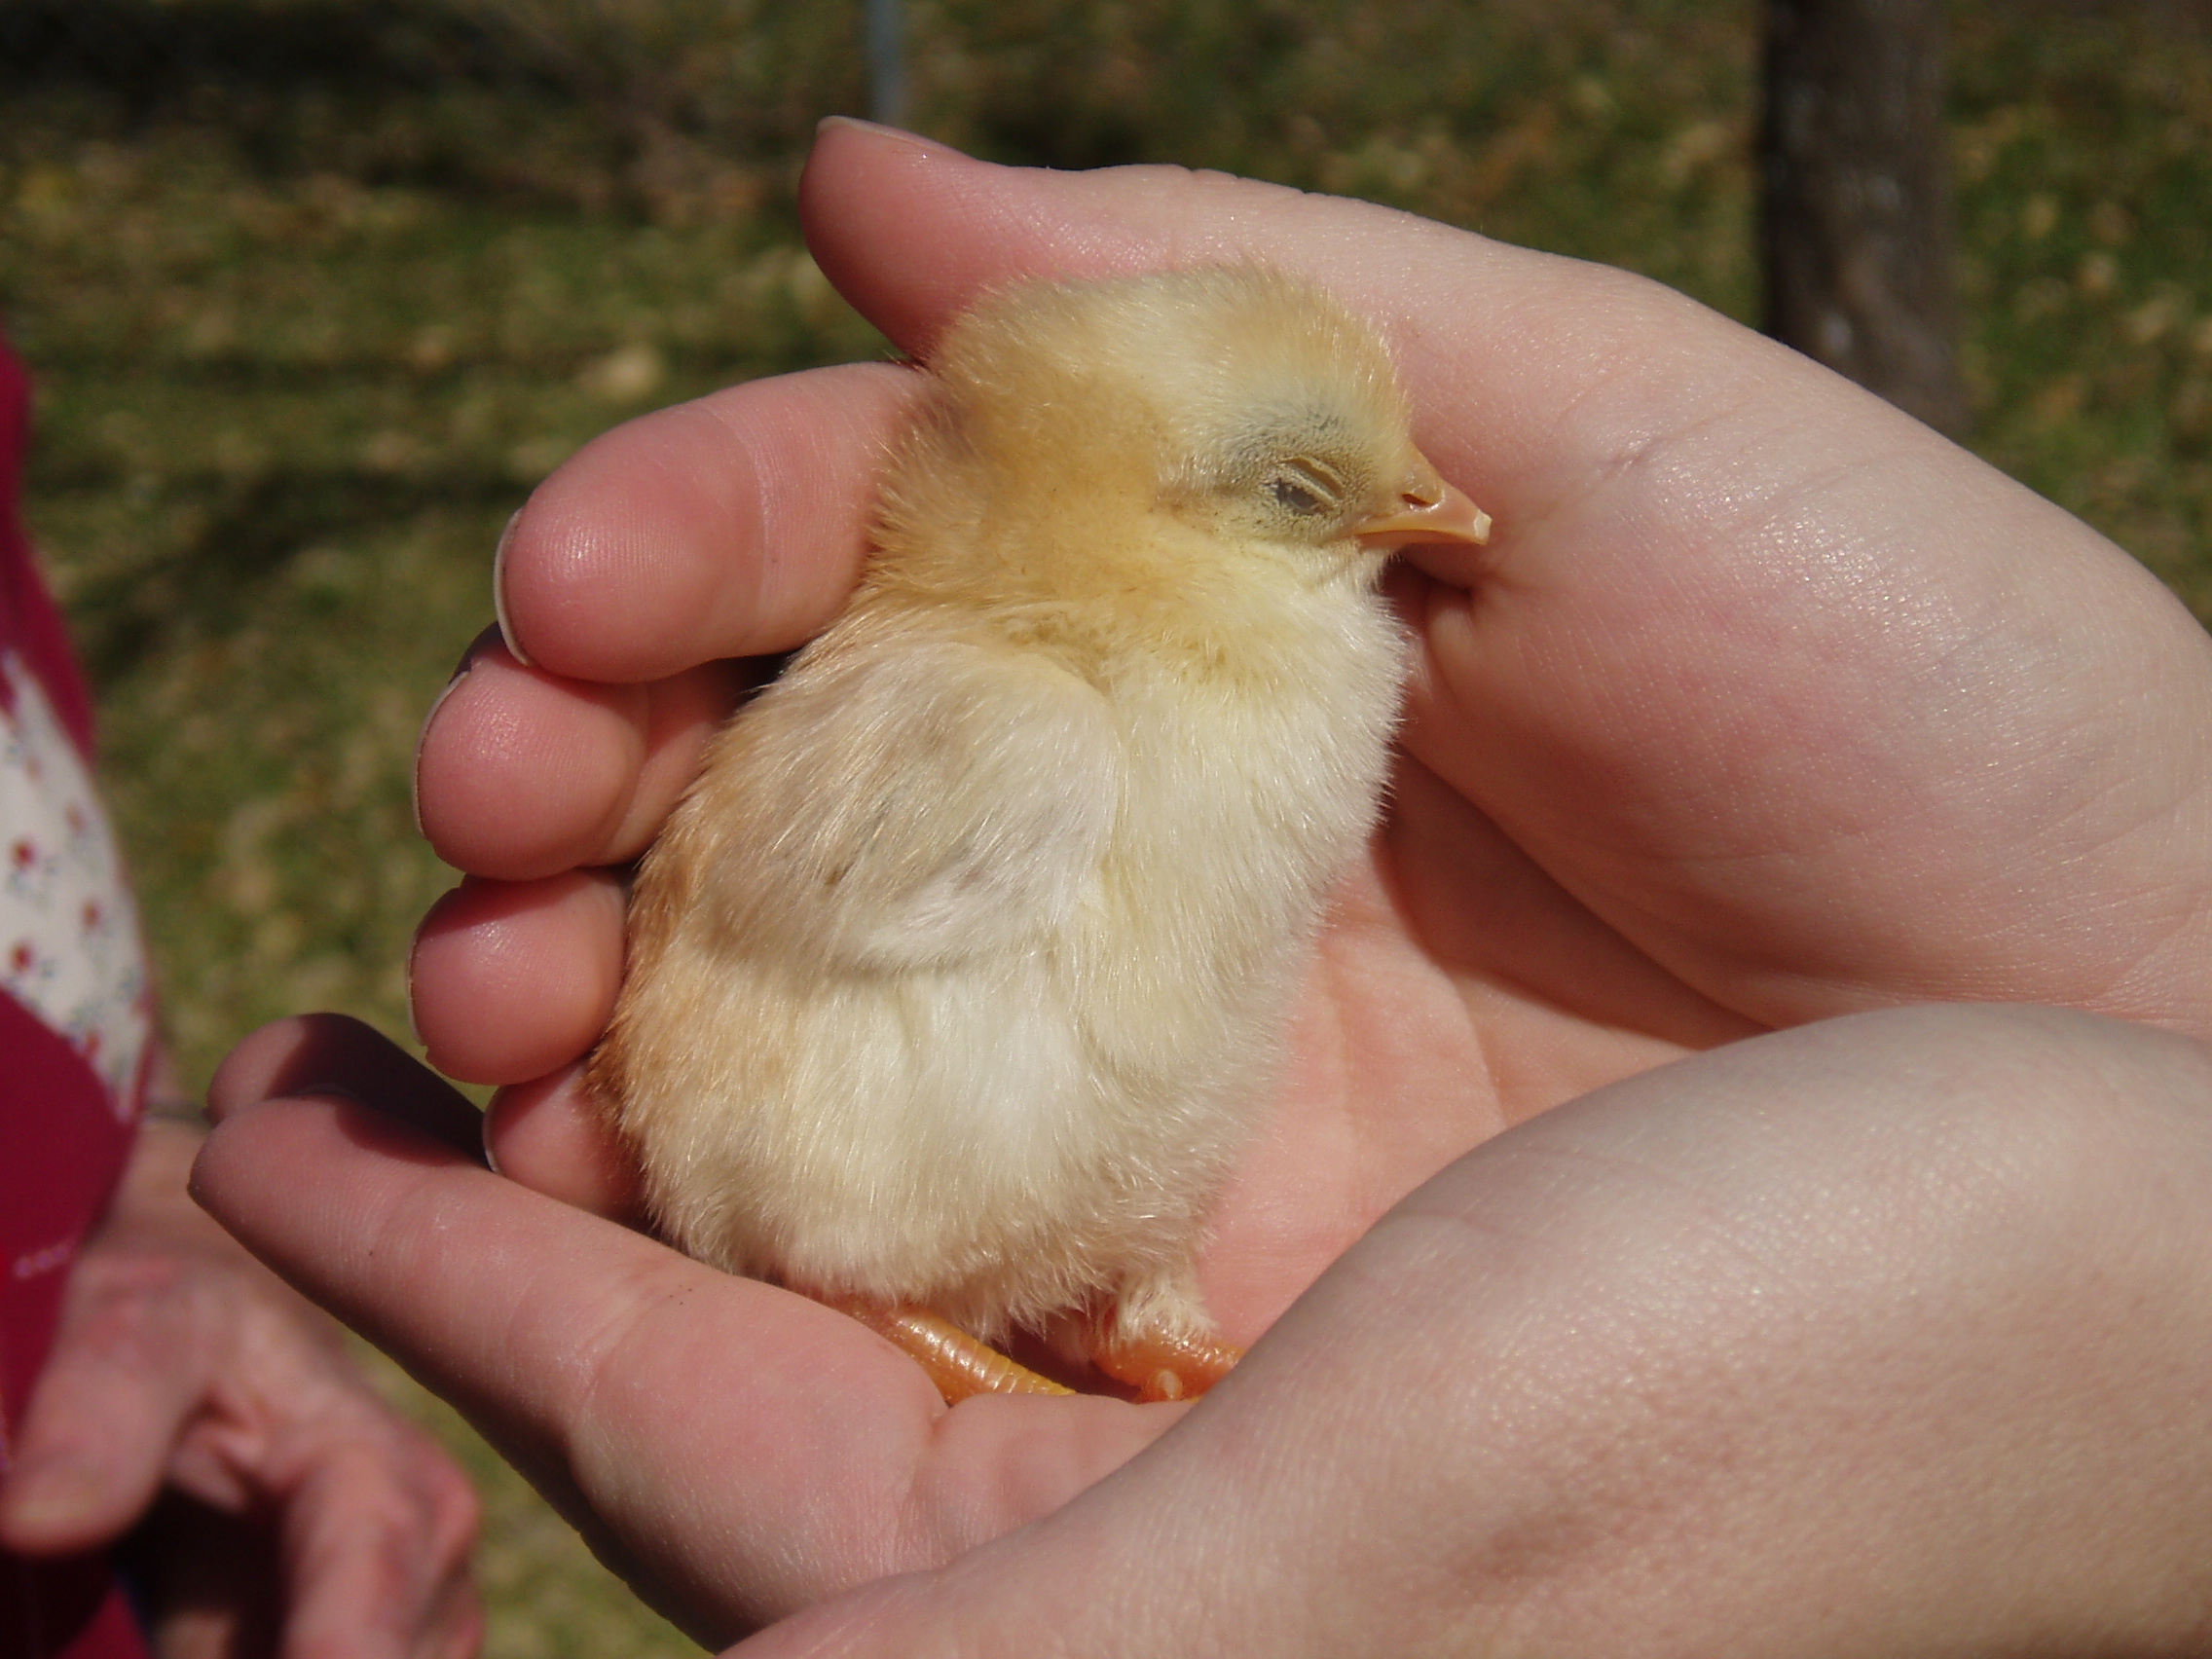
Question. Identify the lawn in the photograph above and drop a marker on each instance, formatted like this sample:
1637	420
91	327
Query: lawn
313	291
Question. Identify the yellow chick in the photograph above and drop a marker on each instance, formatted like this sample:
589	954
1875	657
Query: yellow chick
957	980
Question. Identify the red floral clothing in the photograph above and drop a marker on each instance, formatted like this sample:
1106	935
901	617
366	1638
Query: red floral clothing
75	1022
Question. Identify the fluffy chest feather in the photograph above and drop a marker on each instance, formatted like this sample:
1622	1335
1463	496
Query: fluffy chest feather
1248	785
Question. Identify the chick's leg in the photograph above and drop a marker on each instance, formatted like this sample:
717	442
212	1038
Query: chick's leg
958	1364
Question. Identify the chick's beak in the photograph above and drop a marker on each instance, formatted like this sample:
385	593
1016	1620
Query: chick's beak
1428	510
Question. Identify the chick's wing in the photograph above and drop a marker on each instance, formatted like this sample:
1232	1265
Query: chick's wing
911	807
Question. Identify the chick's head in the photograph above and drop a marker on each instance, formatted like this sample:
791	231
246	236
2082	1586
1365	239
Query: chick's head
1238	402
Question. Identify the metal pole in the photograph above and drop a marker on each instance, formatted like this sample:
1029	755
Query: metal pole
886	62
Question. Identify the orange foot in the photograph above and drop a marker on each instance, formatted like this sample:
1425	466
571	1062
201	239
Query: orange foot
1165	1367
958	1364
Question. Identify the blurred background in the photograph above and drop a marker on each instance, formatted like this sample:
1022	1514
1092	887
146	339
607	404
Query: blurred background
313	291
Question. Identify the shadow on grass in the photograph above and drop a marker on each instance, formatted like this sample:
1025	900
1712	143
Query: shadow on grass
151	53
391	90
231	538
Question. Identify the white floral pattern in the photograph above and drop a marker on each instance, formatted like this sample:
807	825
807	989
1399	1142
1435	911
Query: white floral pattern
69	945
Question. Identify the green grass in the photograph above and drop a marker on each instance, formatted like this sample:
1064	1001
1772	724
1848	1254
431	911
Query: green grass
282	422
308	319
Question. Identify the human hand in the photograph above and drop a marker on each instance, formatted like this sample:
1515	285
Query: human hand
1879	1335
304	1516
1765	704
1882	1335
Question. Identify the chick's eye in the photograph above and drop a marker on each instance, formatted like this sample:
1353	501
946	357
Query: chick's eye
1291	494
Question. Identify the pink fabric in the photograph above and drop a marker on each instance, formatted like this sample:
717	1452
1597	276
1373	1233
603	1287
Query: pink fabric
28	618
68	1113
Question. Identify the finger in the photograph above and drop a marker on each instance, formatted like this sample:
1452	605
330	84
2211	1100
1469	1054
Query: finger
377	1530
731	526
129	1365
1815	708
365	1558
206	1584
334	1053
1507	409
514	980
550	1135
522	774
1535	378
738	1450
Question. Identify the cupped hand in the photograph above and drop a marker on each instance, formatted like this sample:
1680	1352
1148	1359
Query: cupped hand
1884	1335
314	1519
1765	704
1880	1335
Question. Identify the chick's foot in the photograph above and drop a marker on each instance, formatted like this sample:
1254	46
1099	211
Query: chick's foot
958	1364
1162	1367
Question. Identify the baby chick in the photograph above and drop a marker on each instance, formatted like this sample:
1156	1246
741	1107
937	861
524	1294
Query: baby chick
957	980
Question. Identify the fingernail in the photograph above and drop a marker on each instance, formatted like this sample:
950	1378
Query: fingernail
857	124
491	1156
414	1031
422	732
500	591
